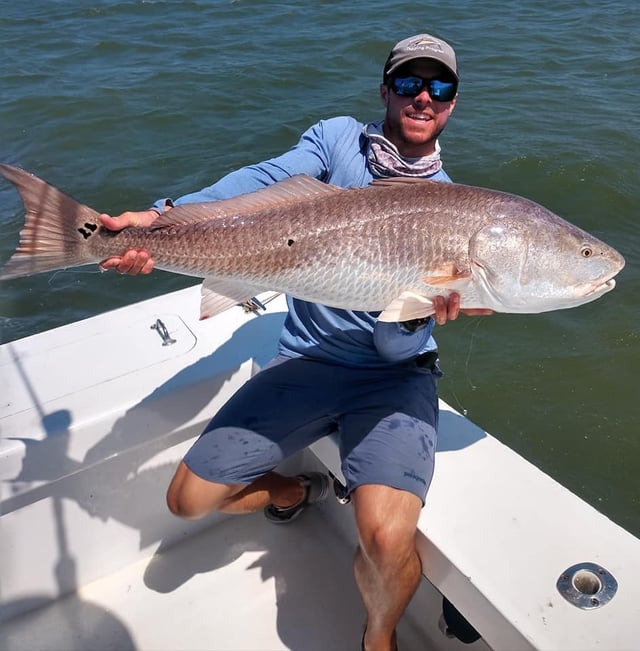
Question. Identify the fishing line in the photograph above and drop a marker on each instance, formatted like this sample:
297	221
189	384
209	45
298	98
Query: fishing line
474	328
478	320
64	272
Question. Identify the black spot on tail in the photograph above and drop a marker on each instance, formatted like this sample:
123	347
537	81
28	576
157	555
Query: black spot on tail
87	230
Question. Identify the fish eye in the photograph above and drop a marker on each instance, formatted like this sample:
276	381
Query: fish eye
586	252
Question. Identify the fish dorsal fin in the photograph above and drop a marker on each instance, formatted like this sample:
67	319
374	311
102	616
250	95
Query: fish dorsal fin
283	193
401	180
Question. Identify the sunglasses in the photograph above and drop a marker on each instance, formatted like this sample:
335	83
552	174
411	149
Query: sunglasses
439	90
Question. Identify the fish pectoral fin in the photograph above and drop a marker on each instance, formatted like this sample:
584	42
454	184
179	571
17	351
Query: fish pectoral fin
219	295
411	305
406	307
451	282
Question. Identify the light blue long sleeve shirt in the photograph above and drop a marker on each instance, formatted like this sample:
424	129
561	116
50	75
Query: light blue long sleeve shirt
333	151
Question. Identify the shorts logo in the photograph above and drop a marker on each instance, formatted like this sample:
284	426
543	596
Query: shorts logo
412	475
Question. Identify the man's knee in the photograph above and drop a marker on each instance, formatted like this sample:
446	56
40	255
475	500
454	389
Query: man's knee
386	544
386	521
192	497
180	505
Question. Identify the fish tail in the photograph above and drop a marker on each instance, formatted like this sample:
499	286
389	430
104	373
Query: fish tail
56	230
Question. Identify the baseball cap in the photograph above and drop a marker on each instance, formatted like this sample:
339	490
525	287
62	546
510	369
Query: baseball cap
421	46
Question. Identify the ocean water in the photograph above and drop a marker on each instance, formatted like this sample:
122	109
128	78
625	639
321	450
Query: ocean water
121	102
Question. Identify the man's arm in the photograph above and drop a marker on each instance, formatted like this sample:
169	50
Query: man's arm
309	156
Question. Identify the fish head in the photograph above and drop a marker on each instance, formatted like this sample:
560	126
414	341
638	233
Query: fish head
539	262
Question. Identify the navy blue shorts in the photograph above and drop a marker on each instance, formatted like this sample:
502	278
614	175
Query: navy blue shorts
386	421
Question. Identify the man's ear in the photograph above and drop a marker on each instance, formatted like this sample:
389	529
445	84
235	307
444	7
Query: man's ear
384	94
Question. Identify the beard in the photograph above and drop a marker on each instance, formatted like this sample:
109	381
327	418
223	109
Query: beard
412	139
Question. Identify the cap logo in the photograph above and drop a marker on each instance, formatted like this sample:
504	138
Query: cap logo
425	44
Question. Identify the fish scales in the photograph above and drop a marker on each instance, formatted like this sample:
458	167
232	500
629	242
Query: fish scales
392	246
277	244
282	247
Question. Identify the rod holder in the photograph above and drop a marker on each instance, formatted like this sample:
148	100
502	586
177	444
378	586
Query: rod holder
587	585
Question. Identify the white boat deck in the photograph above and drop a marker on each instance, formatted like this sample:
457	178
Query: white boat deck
242	584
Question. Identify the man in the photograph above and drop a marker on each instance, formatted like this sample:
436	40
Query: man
338	371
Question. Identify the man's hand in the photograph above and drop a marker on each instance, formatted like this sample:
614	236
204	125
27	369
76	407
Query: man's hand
449	310
134	261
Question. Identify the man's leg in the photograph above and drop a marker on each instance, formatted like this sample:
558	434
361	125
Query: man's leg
192	497
387	566
272	416
388	441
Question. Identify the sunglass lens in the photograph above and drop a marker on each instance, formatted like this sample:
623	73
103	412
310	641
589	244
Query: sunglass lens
442	91
407	86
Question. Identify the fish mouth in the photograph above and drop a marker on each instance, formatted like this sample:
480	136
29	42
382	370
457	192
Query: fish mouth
602	288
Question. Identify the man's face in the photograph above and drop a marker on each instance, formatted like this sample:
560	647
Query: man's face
413	124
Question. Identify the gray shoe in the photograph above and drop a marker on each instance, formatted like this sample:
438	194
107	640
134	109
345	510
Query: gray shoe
316	486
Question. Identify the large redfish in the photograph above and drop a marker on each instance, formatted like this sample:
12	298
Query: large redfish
389	247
